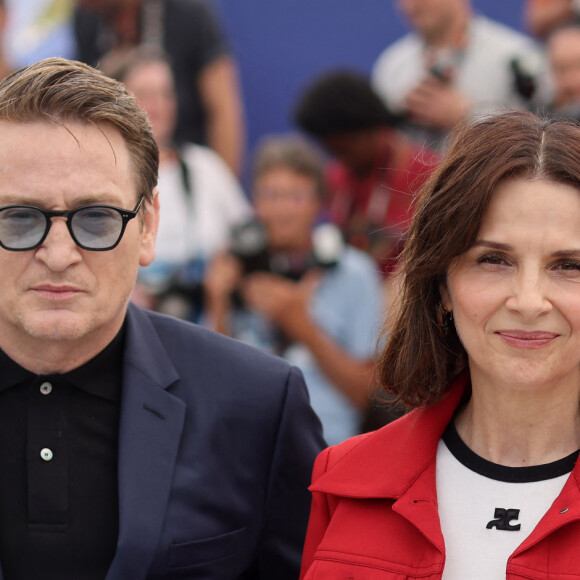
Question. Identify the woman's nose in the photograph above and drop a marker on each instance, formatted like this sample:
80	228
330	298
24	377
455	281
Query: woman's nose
528	295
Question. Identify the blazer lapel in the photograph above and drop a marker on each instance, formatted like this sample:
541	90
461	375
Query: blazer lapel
150	431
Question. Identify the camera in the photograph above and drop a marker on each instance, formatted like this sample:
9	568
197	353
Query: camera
249	243
526	69
176	289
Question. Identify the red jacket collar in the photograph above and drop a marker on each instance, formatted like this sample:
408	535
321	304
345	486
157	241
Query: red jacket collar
400	452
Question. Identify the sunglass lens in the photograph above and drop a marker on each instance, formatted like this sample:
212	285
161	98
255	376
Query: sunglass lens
21	227
97	227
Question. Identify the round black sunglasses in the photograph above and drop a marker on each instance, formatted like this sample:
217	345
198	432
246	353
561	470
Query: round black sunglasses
93	227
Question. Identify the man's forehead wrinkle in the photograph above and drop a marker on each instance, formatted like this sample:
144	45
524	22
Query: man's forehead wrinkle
80	122
100	148
108	140
67	129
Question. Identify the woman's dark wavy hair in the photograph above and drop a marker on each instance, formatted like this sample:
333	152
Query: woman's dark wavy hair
420	359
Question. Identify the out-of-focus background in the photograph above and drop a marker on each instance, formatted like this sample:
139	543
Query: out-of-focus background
281	45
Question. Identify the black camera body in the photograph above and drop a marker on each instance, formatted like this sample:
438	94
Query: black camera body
177	289
526	70
249	243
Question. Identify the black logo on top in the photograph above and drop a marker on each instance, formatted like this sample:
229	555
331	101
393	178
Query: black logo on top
503	519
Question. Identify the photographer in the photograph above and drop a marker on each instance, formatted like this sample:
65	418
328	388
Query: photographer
319	313
375	170
452	64
200	196
563	48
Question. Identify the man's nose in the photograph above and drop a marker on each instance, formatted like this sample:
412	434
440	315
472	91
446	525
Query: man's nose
58	250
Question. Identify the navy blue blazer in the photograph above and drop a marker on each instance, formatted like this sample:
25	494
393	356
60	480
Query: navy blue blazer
216	446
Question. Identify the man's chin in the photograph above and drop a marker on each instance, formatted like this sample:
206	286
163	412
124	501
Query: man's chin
55	325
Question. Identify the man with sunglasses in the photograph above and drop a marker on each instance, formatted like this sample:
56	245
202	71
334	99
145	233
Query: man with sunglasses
132	445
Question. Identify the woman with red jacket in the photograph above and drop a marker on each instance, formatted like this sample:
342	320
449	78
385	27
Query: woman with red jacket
479	481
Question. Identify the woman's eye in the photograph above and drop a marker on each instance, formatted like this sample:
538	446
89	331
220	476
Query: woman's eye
567	265
493	259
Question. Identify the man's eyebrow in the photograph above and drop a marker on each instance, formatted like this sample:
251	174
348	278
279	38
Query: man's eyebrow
98	199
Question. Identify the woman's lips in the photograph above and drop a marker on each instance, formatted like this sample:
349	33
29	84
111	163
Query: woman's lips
527	339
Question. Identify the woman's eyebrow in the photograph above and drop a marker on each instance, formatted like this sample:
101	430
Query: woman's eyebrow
572	253
563	253
491	244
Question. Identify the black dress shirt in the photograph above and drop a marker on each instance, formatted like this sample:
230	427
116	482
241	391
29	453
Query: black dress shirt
58	469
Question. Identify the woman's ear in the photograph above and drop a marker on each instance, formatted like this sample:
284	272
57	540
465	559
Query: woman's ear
445	297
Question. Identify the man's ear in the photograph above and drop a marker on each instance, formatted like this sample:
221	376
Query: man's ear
149	230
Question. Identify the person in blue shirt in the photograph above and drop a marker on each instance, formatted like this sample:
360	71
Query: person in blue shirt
302	293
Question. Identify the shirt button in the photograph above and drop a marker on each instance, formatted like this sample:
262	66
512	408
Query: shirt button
46	388
46	454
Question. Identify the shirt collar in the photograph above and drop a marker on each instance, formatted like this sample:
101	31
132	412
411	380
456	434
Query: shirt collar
101	376
12	373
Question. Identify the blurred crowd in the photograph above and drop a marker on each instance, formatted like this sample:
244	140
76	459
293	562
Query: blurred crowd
302	261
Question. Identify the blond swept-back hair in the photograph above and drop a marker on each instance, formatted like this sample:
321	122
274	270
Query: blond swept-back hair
60	91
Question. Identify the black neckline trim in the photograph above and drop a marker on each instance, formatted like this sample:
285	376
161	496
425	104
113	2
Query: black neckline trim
500	472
